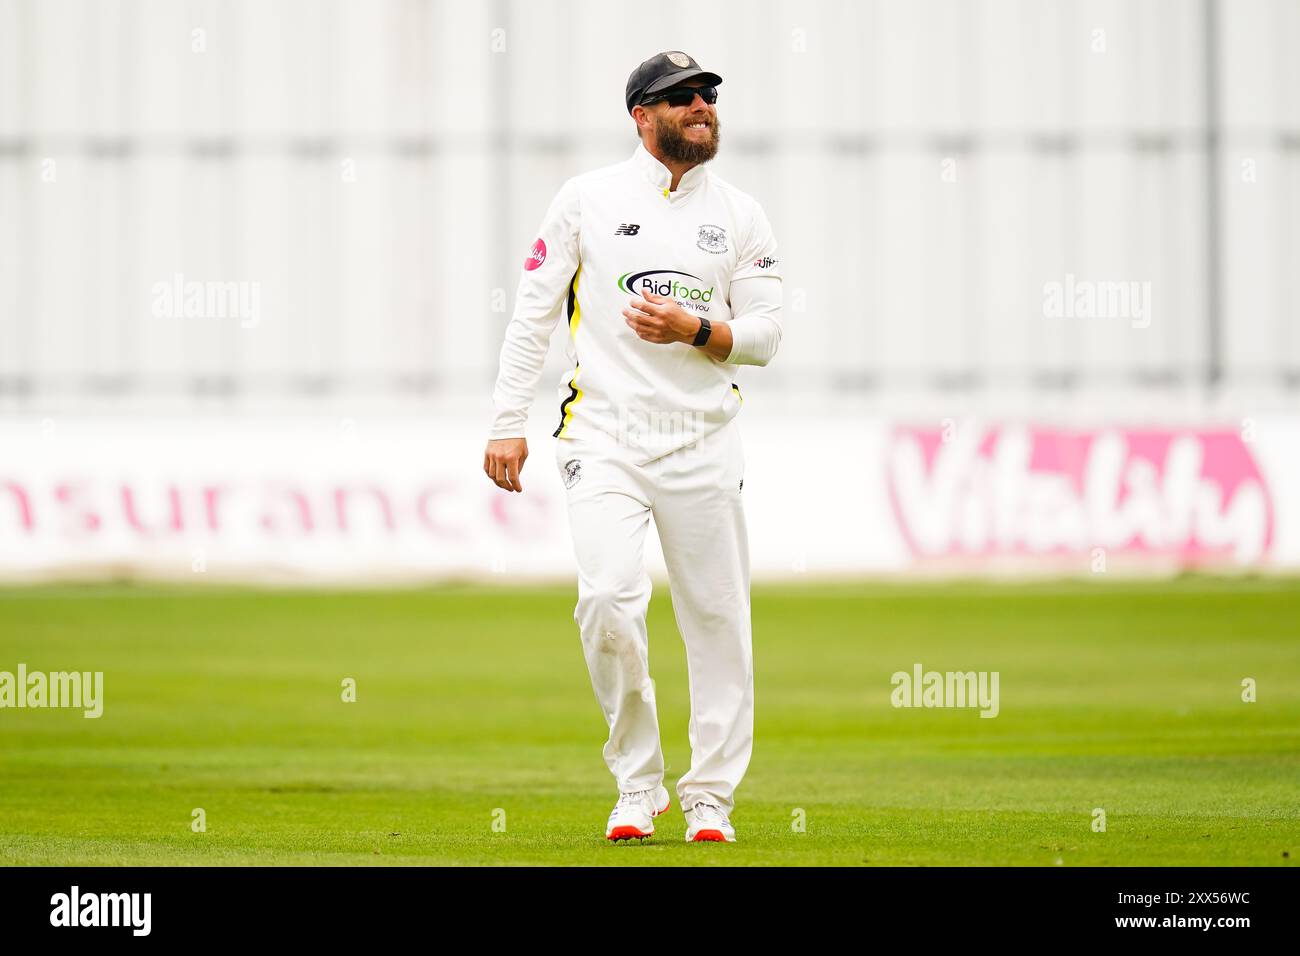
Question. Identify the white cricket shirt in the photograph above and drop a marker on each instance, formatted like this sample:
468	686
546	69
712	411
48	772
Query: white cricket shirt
608	235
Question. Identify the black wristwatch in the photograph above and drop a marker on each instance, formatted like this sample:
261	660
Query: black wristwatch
702	335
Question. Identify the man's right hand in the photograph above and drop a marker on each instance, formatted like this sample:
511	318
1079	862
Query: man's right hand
504	460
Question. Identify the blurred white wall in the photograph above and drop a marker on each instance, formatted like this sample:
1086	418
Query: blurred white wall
378	168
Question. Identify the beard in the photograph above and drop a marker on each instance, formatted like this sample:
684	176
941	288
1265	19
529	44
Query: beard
676	147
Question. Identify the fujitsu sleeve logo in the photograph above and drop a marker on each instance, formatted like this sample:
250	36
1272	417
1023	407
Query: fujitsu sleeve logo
536	256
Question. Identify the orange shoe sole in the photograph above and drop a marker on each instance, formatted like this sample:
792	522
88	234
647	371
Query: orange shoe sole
709	836
627	833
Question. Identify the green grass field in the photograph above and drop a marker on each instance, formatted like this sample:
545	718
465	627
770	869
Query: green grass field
474	705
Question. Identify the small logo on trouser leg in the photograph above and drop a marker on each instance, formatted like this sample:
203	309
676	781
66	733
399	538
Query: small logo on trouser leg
742	486
572	472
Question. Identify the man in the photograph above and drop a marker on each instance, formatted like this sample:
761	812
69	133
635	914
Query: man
670	280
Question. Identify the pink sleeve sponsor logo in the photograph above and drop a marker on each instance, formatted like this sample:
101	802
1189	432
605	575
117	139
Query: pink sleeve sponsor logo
1197	496
536	256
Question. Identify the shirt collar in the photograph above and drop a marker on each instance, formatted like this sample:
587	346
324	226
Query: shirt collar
662	177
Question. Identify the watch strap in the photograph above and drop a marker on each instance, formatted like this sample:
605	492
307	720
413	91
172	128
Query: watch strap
702	336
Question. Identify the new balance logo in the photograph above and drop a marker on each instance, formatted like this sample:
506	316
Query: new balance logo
627	229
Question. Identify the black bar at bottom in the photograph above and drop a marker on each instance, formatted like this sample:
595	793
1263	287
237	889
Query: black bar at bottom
302	905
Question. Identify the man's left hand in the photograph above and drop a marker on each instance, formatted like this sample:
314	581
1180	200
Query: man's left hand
657	318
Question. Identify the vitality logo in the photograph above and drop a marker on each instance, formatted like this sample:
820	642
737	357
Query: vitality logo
536	255
664	282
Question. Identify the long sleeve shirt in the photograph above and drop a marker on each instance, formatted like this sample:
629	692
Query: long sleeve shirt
608	236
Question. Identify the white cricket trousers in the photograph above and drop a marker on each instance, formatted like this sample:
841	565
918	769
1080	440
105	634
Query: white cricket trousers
694	494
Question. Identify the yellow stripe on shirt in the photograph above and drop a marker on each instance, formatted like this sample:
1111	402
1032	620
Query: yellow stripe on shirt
575	393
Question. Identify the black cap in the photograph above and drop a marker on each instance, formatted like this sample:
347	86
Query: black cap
663	71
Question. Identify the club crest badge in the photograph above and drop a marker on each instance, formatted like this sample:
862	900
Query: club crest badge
572	472
679	59
712	239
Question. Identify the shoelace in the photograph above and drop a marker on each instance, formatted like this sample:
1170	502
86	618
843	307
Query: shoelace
710	810
636	796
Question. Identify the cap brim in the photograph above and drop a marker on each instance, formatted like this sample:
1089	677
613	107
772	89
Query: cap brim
672	79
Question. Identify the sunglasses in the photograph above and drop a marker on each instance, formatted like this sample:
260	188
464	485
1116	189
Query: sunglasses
684	96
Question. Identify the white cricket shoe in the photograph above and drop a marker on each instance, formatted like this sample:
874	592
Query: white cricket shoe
633	815
706	823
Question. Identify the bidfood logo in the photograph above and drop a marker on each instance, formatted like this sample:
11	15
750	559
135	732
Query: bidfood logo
670	283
